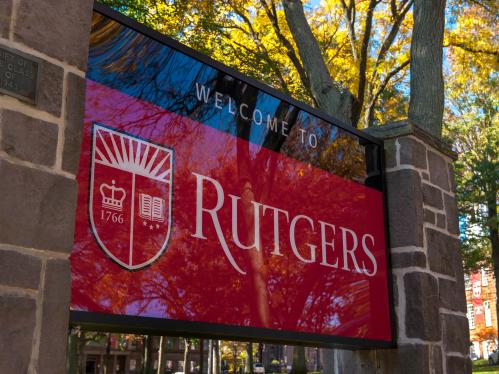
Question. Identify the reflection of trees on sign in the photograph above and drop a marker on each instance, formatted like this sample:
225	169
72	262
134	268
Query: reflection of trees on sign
271	167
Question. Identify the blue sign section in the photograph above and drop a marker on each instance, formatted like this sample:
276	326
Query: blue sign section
142	67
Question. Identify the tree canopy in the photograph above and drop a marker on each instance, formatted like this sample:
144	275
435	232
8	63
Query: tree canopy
364	45
472	124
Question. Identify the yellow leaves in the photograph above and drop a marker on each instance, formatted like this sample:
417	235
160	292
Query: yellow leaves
240	34
473	51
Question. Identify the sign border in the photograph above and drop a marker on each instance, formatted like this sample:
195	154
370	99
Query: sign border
162	326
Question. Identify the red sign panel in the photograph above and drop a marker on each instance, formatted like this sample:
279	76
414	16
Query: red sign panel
222	207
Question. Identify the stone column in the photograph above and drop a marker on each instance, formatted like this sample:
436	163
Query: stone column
430	306
39	153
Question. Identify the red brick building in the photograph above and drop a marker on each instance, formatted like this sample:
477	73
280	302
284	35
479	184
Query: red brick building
481	312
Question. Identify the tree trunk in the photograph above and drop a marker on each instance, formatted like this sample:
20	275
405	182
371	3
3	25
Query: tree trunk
494	238
248	367
327	94
210	356
217	359
81	343
426	103
72	358
327	361
369	111
149	350
163	346
186	354
107	356
317	360
201	356
299	364
234	357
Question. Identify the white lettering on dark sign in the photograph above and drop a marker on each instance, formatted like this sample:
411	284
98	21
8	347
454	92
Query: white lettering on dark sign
256	116
336	241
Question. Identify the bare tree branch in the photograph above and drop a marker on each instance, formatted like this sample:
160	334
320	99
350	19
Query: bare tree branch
272	15
328	94
393	7
484	6
387	43
350	22
389	76
262	48
337	52
369	112
467	48
358	104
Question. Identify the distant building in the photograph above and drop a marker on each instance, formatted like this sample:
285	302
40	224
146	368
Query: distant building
481	312
127	357
279	358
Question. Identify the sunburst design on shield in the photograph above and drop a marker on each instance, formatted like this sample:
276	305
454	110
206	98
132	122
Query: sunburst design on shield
130	197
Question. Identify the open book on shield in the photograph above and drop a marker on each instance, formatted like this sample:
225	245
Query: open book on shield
151	208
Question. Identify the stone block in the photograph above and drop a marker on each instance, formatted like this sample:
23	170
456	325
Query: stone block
442	252
18	318
422	319
452	295
19	269
56	28
50	88
75	108
395	290
456	334
407	359
436	362
441	220
452	178
458	365
355	361
426	176
451	214
460	301
390	153
412	153
405	208
408	259
28	138
438	170
432	196
429	216
55	319
44	206
5	14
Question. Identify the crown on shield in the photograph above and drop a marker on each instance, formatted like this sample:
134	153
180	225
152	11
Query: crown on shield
112	197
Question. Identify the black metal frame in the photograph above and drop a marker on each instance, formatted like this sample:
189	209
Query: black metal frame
161	326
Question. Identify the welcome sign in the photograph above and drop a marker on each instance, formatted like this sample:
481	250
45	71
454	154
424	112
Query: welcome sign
211	205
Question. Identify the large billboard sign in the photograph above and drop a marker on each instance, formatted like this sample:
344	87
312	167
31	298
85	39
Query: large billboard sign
211	205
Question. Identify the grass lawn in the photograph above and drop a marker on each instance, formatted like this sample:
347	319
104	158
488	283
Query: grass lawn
482	366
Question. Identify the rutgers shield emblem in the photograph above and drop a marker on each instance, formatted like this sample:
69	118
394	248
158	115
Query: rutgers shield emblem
130	197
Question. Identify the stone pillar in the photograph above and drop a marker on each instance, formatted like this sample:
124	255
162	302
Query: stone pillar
39	152
430	306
